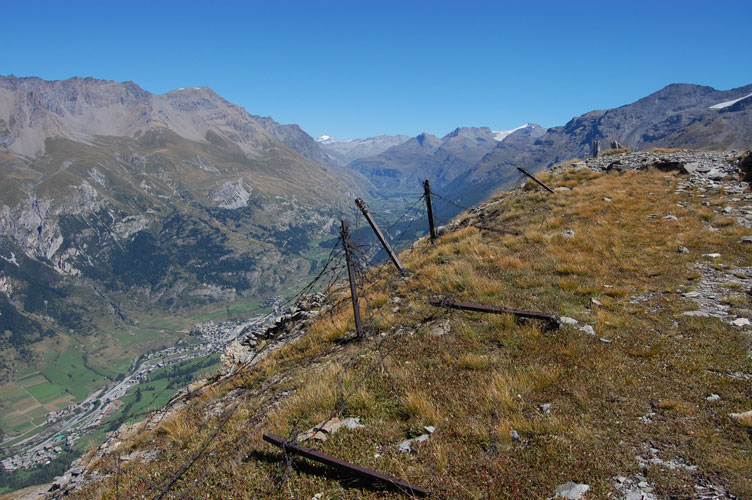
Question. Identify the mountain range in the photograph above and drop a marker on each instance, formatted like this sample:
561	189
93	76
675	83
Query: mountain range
469	164
344	152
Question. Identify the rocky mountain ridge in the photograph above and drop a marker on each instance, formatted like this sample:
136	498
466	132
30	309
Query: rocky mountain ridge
33	110
345	152
404	167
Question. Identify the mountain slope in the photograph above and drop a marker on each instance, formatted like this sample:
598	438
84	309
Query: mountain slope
649	363
122	211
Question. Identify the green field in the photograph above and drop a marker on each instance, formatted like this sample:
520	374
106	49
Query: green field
45	391
72	366
159	387
70	372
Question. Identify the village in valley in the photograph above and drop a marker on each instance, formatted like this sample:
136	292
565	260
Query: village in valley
65	427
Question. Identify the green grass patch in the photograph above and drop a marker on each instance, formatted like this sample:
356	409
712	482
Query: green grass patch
45	391
69	372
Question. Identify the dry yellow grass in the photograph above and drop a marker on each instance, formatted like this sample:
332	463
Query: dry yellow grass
490	374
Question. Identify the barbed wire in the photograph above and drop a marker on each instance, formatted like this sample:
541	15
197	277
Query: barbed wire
331	273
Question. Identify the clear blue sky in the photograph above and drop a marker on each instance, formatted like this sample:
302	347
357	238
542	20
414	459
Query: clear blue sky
355	69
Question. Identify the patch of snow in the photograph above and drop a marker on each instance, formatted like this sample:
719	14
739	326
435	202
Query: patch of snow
726	104
12	259
502	134
325	139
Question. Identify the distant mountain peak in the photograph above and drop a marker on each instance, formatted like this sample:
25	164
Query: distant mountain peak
471	132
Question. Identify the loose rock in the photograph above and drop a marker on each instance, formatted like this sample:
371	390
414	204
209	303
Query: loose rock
572	490
406	446
741	322
744	419
331	426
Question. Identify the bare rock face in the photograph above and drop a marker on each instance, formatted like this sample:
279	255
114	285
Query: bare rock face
746	167
231	195
273	332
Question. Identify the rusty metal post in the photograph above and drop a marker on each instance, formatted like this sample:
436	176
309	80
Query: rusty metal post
393	482
363	208
351	275
427	194
552	321
533	177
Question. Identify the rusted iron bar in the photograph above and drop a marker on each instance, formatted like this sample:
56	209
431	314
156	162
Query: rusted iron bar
551	320
351	275
533	177
427	194
497	230
364	208
410	489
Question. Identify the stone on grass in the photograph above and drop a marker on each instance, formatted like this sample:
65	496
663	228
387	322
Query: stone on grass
572	490
440	329
568	233
698	314
746	239
566	320
514	436
588	329
711	255
741	322
682	249
331	426
713	398
744	419
406	446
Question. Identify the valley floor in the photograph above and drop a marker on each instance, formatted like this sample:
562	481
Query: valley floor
632	397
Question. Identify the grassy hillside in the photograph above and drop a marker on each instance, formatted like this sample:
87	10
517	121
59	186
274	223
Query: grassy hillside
517	410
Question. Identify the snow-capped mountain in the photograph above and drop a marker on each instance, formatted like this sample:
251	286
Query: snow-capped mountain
344	152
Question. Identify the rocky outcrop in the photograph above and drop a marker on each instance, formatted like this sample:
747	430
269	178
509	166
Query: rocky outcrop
702	166
278	330
746	167
231	195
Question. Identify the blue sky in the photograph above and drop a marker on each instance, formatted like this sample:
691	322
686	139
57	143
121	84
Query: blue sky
356	69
